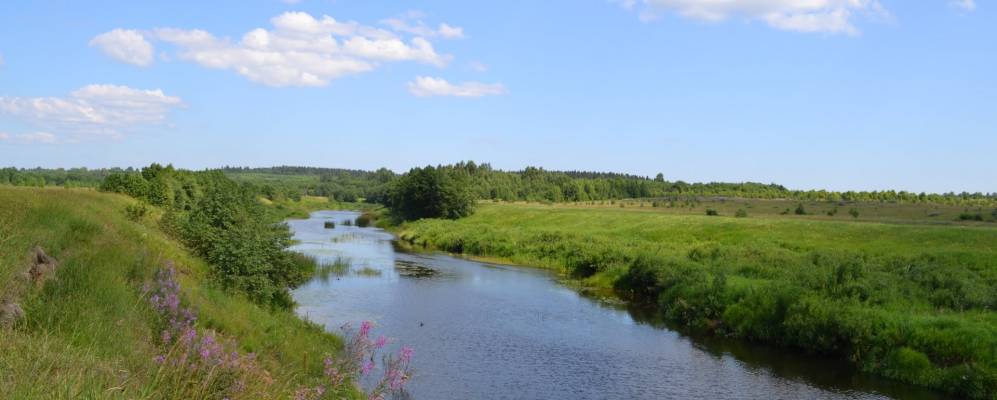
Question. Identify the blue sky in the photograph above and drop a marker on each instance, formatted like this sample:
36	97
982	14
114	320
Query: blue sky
838	94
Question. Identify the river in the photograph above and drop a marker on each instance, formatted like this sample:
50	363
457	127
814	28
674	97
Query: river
485	331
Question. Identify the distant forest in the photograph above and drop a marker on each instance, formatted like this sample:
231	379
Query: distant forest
530	184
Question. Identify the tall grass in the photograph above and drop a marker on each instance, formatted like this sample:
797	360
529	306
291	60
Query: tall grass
89	333
338	268
910	302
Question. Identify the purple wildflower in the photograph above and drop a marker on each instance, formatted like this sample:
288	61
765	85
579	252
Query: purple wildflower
365	328
406	353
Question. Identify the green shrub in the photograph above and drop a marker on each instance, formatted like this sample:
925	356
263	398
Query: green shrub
711	212
966	216
800	210
136	211
431	193
741	213
364	220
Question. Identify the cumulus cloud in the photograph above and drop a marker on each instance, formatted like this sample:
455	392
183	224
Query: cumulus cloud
299	50
125	45
425	86
966	5
411	22
824	16
93	111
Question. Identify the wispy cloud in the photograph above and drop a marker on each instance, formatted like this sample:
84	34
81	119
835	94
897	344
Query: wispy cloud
966	5
478	66
91	112
125	45
812	16
29	138
299	49
425	86
411	22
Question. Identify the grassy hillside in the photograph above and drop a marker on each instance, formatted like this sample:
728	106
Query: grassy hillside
909	301
89	332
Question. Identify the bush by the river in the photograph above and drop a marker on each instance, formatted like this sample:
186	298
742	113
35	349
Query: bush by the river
224	222
431	192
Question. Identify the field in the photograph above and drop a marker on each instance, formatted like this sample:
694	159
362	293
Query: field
89	332
887	212
911	299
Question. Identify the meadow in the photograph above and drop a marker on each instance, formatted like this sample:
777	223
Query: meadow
90	332
907	292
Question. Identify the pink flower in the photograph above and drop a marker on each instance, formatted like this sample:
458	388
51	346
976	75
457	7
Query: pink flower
367	366
406	353
365	328
381	341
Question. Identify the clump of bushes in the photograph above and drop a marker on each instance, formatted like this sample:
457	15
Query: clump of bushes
329	224
967	216
135	212
711	212
854	212
800	210
364	220
431	193
741	213
223	222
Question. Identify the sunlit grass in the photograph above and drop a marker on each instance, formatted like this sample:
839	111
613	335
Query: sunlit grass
90	334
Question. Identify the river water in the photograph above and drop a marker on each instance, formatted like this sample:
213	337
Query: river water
485	331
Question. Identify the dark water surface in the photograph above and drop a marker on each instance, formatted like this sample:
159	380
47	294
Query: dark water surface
483	331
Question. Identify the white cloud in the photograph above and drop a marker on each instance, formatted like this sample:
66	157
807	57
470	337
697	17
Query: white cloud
125	45
825	16
92	111
966	5
27	138
299	50
411	22
424	86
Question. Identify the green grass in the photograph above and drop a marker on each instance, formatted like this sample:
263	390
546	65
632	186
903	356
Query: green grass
887	212
88	333
910	299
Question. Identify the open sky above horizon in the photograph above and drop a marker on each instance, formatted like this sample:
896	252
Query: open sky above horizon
835	94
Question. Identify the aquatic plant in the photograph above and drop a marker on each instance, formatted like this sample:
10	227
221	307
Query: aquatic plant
338	267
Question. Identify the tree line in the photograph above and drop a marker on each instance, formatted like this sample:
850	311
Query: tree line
538	184
485	182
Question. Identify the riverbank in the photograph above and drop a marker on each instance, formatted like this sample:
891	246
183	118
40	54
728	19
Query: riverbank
90	330
912	303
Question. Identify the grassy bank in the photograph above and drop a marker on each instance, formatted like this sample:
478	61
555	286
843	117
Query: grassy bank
911	301
88	332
